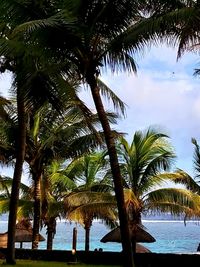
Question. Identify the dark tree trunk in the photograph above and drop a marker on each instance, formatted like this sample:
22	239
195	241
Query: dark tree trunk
20	154
37	210
117	178
134	220
87	227
50	240
51	230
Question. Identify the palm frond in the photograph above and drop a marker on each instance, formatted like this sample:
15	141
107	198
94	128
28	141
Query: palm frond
111	96
51	22
196	158
182	178
174	200
4	204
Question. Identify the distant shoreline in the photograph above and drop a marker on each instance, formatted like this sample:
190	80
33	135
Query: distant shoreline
143	220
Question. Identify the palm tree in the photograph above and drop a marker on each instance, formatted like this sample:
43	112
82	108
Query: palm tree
29	78
29	74
173	22
85	206
144	163
91	199
51	137
97	40
192	184
7	132
54	185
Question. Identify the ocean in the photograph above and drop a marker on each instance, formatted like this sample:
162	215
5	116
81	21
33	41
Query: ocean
171	236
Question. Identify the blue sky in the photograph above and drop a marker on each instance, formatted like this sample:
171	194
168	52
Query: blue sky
164	93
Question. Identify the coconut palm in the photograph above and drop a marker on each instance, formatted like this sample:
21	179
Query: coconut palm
183	177
96	40
54	137
91	199
7	131
54	185
25	207
85	206
173	22
33	77
145	162
40	143
29	81
19	71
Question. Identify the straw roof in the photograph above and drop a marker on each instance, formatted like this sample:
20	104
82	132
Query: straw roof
142	249
24	232
137	233
26	236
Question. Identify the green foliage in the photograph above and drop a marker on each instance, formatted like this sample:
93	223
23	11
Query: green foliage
144	164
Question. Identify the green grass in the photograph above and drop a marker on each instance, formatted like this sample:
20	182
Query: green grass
29	263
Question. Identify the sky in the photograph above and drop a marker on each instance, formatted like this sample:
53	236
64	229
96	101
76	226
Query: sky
163	94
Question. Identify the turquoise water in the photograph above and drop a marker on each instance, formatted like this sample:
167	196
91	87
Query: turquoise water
171	236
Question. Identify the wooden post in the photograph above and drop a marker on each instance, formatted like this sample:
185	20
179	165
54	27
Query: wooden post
74	240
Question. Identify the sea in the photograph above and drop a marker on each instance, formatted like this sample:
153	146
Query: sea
172	236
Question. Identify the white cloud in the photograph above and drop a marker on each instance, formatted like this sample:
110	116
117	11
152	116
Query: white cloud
163	93
5	83
159	96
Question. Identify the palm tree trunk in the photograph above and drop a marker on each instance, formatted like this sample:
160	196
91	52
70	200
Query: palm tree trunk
37	212
117	178
87	234
134	246
49	240
51	229
20	154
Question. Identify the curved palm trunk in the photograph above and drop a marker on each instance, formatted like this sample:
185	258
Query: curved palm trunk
51	230
37	212
117	178
87	227
20	154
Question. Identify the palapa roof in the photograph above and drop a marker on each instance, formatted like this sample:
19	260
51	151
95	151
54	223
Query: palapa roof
142	249
137	233
24	232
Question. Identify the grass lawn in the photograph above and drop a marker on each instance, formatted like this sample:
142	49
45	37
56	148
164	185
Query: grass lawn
29	263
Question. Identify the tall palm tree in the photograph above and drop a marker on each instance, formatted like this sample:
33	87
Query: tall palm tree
15	58
97	40
30	81
144	163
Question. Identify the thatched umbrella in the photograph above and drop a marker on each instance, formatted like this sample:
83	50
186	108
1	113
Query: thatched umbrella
24	232
137	233
141	249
